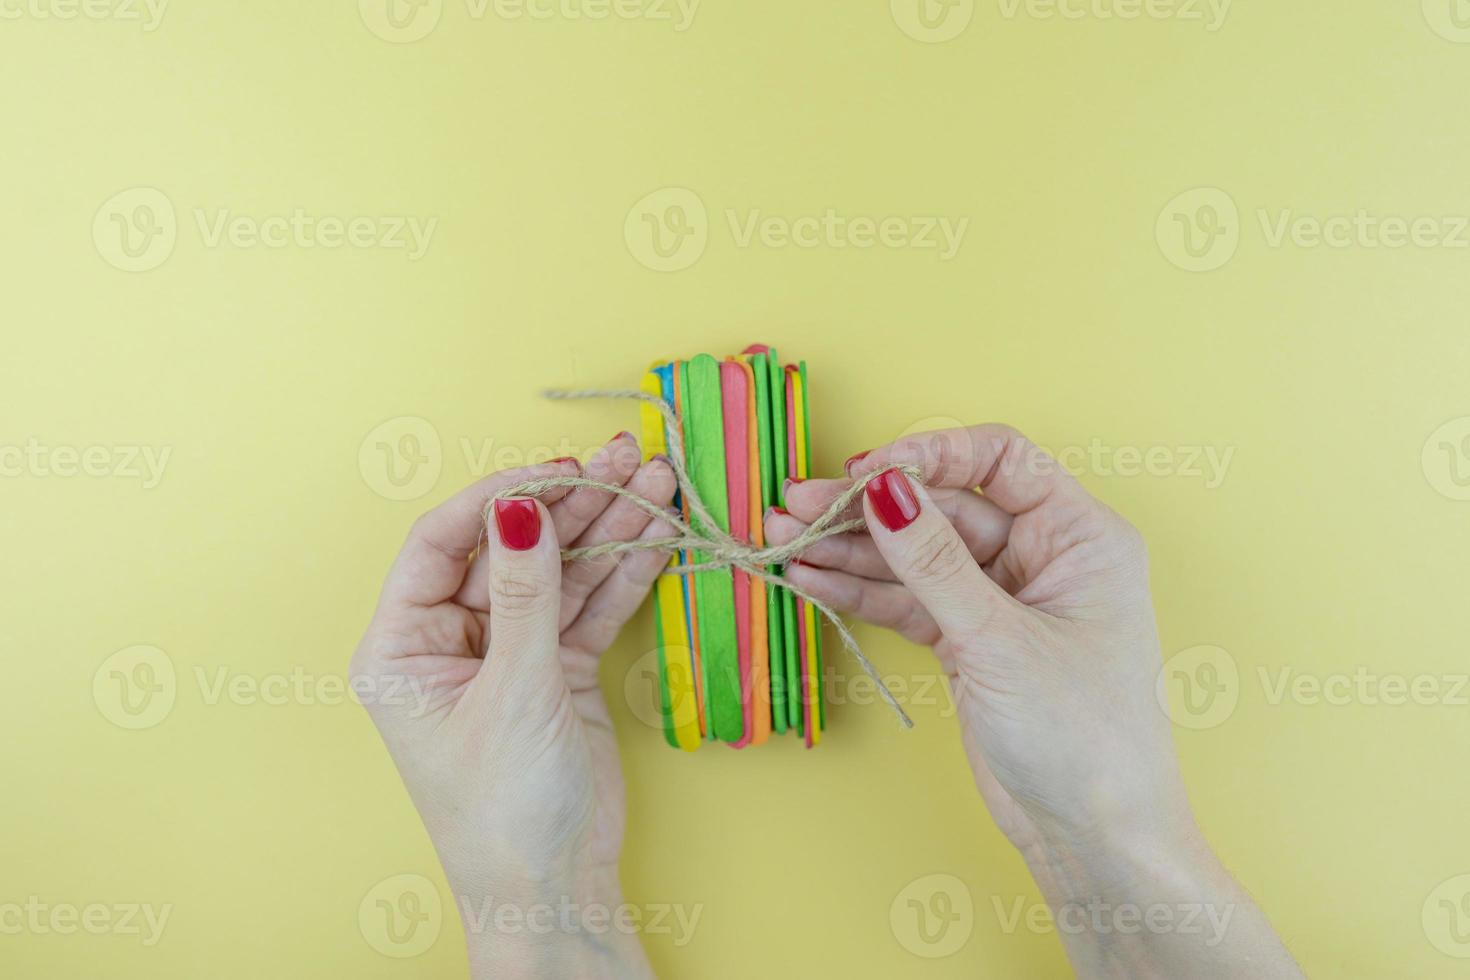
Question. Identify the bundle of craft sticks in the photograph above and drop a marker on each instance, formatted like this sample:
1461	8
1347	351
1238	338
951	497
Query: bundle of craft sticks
739	658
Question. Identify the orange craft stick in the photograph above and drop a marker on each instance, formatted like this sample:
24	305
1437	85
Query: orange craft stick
758	713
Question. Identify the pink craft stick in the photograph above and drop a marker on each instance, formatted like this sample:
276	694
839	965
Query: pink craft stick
737	483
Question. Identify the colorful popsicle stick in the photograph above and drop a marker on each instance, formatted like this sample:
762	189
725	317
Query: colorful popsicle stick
739	658
806	619
680	710
790	658
680	375
760	666
814	625
759	356
737	488
714	588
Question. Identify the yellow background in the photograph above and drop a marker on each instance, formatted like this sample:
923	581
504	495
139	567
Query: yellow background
1326	547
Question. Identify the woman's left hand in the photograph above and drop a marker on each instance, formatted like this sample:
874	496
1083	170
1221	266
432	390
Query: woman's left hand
502	737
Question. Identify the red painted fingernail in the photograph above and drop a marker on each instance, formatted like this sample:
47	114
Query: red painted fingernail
565	459
855	457
893	500
519	523
778	510
625	434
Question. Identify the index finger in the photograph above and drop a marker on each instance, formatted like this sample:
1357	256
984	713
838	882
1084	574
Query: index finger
1016	474
434	559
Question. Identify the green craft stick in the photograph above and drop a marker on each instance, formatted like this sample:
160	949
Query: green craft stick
718	648
790	650
806	428
775	633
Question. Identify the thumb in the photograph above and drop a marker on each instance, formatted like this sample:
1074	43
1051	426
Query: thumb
524	562
928	556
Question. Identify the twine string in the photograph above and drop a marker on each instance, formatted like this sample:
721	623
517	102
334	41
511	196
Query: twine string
703	534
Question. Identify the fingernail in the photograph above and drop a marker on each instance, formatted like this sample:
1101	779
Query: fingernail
662	458
519	523
625	434
893	500
855	457
791	481
774	511
565	459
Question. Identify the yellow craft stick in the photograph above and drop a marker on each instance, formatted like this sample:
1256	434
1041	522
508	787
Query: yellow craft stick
809	621
683	720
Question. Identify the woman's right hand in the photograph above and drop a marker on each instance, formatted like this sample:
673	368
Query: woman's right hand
1035	597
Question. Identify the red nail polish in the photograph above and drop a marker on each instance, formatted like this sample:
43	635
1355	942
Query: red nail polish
893	500
625	434
564	459
854	458
779	510
519	523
